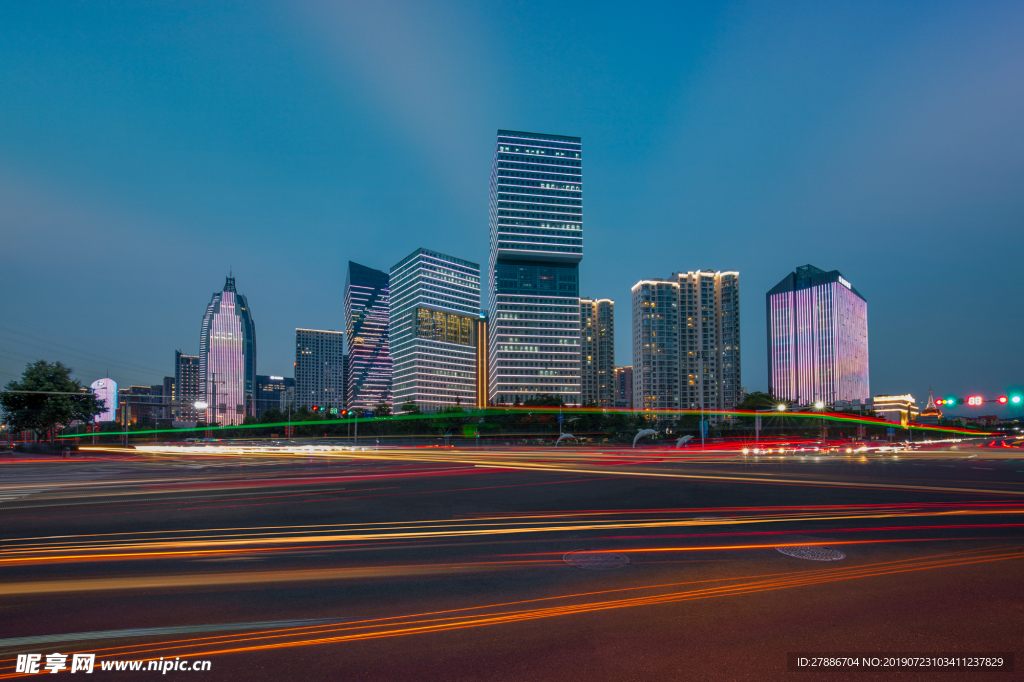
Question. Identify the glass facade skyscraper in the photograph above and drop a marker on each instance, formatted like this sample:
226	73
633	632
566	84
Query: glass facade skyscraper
227	357
319	368
536	245
435	303
817	338
367	298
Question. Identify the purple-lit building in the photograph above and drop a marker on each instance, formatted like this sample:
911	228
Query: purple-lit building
227	358
817	338
106	390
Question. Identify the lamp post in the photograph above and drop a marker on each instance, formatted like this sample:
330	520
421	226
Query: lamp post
820	407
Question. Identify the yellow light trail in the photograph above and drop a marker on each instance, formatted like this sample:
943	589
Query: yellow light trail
292	538
495	614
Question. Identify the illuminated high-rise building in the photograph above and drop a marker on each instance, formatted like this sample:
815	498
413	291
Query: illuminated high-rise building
686	343
187	387
597	352
367	298
435	303
227	357
319	368
106	390
817	338
536	235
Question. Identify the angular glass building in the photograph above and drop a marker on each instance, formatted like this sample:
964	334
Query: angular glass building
435	304
227	357
368	375
817	338
536	230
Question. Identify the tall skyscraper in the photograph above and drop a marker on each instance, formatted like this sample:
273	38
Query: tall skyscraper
367	298
435	302
686	347
187	387
319	368
536	229
227	357
817	338
597	354
624	386
273	392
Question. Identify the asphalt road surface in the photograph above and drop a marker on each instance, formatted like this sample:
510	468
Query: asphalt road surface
513	564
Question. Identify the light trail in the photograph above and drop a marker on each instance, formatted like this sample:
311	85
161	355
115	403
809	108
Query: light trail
228	541
506	613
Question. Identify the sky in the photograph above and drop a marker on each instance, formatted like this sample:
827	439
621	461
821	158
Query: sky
146	149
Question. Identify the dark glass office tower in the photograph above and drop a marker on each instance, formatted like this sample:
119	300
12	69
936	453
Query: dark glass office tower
368	375
536	225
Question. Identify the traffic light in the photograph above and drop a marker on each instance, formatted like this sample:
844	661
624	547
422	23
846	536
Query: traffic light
1001	400
316	408
1015	399
334	410
975	400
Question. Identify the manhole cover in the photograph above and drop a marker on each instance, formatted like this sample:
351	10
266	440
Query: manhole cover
596	561
813	553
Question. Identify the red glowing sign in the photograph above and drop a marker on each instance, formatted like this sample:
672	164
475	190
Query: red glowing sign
974	400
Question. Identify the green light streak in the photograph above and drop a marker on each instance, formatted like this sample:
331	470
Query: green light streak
545	410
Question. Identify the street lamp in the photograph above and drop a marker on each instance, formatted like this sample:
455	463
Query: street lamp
200	404
781	407
819	405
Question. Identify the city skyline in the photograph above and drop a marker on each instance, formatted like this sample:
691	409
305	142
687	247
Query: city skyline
887	159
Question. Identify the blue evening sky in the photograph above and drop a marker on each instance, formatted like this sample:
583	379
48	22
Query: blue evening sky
146	148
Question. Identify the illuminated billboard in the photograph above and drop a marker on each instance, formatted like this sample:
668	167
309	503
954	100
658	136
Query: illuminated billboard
106	390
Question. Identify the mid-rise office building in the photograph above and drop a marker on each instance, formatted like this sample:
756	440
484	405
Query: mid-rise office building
624	387
817	338
319	369
597	352
536	245
272	392
188	388
106	390
686	344
369	371
142	405
227	357
435	303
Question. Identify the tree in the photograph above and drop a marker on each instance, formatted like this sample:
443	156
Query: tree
382	410
759	400
409	407
53	399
